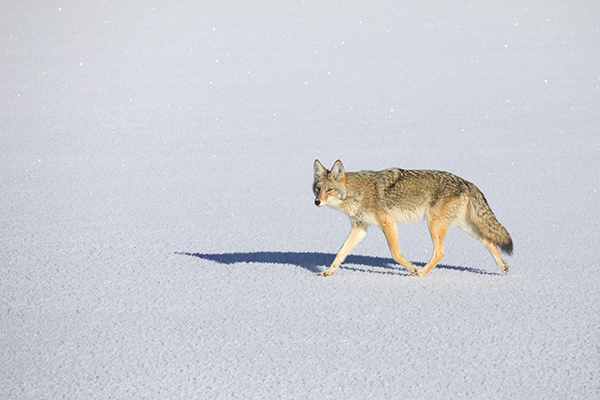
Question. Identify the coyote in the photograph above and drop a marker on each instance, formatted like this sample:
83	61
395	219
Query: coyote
385	198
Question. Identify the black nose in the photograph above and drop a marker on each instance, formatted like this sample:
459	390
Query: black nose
317	201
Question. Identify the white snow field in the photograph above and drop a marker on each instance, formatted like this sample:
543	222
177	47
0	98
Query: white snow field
158	234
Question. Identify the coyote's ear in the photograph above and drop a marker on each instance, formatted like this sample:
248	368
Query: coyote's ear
320	170
337	171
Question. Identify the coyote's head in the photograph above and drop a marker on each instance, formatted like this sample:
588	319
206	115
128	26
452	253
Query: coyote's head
329	187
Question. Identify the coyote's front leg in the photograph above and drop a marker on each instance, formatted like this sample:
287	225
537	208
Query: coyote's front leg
391	235
357	233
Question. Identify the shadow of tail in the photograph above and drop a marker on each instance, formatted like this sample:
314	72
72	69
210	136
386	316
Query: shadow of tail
317	262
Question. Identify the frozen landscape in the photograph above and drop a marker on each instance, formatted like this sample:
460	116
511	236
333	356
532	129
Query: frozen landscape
159	238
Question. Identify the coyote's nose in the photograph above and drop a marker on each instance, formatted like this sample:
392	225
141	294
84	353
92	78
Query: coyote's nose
317	202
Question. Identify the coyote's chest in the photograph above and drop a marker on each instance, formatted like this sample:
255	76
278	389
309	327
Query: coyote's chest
358	212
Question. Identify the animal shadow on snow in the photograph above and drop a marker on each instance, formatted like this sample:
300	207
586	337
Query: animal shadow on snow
317	262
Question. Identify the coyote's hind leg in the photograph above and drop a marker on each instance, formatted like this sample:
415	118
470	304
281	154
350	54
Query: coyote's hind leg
491	246
437	230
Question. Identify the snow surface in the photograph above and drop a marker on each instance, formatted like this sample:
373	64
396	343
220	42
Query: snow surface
159	237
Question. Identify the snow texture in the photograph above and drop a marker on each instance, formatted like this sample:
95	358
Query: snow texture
159	237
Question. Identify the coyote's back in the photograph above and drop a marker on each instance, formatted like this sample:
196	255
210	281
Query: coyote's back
384	198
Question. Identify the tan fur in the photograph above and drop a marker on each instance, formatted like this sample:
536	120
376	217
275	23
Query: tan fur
385	198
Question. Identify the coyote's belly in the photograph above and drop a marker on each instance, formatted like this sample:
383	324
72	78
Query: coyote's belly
405	216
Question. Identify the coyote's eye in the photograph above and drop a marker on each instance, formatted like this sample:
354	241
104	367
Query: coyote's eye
329	190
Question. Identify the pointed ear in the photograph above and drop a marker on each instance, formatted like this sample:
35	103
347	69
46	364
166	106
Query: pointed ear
337	171
320	170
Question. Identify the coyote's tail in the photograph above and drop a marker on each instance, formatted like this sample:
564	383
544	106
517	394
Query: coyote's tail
484	220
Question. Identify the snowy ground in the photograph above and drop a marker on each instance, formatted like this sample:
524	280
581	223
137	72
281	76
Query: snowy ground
159	238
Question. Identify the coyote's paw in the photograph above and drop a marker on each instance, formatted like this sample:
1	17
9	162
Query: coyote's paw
414	272
504	268
326	273
421	273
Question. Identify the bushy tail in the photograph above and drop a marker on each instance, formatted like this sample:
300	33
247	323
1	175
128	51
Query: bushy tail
484	220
